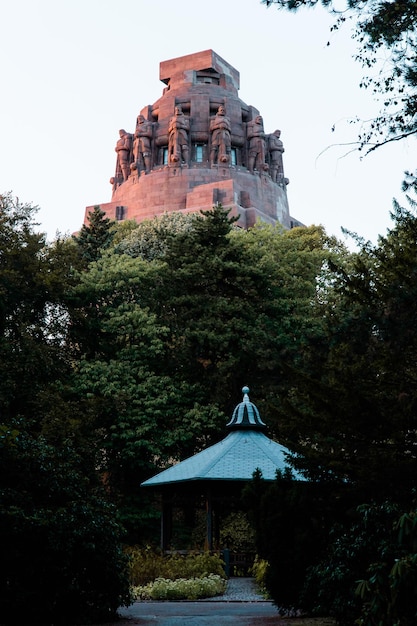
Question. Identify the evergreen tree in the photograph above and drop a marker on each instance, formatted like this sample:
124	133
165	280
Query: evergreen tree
350	414
359	389
93	239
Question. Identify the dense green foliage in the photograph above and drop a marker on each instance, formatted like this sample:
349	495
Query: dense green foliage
360	385
368	571
146	564
176	576
388	594
125	349
352	401
383	29
32	316
61	555
168	323
95	237
61	558
292	521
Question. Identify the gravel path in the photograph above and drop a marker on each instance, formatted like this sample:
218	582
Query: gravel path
241	603
238	590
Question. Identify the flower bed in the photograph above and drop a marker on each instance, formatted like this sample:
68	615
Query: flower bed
181	588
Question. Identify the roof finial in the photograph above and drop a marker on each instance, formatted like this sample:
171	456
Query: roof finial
246	415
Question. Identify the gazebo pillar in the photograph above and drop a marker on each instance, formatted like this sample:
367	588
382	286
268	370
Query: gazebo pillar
166	523
209	520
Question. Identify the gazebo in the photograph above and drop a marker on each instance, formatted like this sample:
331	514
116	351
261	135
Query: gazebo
222	469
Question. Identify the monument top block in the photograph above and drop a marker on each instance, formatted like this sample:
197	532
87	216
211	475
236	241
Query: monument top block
207	62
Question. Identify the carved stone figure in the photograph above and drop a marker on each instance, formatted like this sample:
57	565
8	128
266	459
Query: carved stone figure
256	137
275	149
142	145
124	151
179	126
220	137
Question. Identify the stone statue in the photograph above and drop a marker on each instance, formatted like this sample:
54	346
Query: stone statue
275	149
142	145
256	137
220	137
124	152
179	126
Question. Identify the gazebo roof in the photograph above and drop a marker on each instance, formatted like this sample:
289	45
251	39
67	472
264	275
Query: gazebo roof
244	450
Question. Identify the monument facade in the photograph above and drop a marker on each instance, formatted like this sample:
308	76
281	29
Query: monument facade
199	145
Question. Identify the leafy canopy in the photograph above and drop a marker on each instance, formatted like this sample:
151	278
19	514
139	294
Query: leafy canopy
167	324
384	29
358	386
60	545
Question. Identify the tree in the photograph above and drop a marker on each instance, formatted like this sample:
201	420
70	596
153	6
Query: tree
349	412
122	377
33	320
62	560
388	593
60	540
149	239
292	520
93	239
330	584
241	301
167	333
354	400
387	26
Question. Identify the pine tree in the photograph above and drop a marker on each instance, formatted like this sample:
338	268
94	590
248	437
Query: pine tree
95	237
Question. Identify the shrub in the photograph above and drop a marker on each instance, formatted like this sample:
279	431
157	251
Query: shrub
302	512
181	588
61	555
389	591
366	556
259	570
237	533
146	565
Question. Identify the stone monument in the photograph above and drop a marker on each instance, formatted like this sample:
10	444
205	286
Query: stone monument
199	145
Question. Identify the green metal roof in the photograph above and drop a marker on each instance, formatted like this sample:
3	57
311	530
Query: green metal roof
236	457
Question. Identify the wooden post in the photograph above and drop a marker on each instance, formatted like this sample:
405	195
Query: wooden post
166	524
209	518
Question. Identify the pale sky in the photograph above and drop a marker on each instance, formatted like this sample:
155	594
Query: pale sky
75	71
